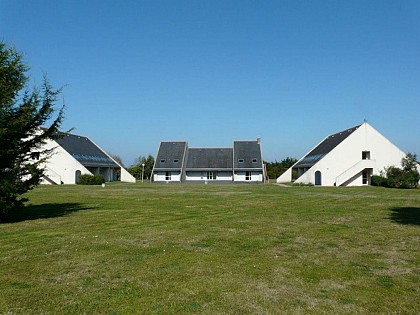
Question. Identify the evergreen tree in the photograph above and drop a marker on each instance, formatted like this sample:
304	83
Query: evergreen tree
137	169
22	114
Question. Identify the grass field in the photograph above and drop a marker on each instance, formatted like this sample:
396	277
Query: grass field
212	249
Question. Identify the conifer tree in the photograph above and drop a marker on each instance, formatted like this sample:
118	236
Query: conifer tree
23	114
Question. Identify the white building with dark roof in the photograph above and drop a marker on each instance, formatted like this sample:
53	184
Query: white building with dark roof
176	162
346	158
74	155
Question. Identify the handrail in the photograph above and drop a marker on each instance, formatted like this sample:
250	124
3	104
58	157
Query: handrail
354	169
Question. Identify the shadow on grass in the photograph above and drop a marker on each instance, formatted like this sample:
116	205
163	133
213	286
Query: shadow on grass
406	215
44	211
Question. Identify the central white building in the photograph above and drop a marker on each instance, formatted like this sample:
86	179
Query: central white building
175	162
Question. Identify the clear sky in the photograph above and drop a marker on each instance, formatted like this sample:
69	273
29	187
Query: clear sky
210	72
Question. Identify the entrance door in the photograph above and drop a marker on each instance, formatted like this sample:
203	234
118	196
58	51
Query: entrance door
318	181
77	176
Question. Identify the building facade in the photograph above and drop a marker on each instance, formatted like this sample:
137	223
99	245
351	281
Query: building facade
74	155
347	158
176	162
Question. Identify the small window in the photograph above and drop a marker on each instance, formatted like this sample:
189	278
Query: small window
248	175
254	160
176	160
241	160
365	155
162	161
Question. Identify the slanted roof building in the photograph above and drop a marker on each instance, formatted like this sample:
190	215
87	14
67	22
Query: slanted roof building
176	162
346	158
74	155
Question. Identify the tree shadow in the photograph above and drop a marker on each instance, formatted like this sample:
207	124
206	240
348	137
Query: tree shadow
406	215
43	211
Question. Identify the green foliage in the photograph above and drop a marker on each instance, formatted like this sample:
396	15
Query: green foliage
22	114
395	177
377	180
87	179
137	169
275	169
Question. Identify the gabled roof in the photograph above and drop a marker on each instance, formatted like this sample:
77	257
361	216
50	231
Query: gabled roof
171	155
85	151
209	158
324	148
247	155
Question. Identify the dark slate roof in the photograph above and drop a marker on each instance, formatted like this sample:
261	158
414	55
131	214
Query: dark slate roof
325	147
247	155
209	158
170	155
85	151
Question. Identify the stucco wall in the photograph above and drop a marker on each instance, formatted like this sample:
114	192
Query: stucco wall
61	166
349	152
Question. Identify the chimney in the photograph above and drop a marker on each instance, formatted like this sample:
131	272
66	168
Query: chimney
259	140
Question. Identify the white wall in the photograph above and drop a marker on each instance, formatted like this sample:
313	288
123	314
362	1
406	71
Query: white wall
160	176
240	176
349	152
61	165
224	176
202	176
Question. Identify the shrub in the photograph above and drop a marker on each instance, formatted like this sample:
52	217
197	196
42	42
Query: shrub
377	180
395	177
87	179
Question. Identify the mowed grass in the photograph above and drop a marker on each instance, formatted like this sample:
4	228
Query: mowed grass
212	249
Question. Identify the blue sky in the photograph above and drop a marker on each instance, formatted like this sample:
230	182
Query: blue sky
210	72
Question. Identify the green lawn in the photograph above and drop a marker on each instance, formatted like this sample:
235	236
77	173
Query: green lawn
212	249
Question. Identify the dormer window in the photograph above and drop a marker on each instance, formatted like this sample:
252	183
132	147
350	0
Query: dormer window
241	160
176	160
254	160
162	161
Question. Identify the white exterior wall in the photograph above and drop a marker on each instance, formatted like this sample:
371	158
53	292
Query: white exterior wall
126	176
349	152
224	176
202	176
62	166
240	176
160	176
286	177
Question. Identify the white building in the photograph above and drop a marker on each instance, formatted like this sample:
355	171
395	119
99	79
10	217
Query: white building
175	162
75	155
346	158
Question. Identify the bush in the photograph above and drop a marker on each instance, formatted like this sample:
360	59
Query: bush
87	179
377	180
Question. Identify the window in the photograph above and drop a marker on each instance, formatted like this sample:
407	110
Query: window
241	160
168	176
162	161
211	175
365	155
248	175
254	160
35	156
176	160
